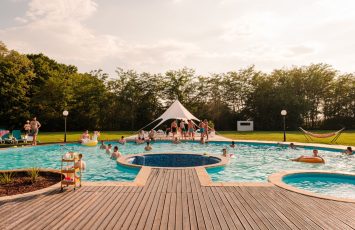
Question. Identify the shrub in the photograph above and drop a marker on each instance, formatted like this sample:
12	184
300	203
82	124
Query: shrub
6	178
33	173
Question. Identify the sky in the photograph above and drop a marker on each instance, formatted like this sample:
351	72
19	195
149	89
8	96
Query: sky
210	36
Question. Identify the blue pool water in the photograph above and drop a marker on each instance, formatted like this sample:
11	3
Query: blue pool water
252	162
328	184
175	160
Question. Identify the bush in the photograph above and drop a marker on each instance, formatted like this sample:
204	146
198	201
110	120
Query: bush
6	178
33	173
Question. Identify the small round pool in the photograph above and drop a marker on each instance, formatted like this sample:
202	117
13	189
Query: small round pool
327	184
171	160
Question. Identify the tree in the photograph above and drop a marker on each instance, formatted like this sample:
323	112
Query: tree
16	72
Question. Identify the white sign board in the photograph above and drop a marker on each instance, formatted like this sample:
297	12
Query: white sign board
245	125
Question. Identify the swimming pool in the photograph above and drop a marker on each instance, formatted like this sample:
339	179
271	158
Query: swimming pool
252	162
336	185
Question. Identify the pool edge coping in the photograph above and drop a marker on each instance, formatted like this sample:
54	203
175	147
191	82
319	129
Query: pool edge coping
123	160
276	179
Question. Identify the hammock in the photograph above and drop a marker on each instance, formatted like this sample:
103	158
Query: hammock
309	135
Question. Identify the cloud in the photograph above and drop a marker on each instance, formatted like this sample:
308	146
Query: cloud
56	10
219	36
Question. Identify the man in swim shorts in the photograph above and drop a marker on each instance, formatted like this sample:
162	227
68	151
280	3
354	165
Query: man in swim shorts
191	128
35	125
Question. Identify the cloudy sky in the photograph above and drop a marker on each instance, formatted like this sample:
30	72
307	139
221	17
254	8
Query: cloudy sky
159	35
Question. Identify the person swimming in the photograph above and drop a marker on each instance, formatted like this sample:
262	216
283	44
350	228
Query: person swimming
103	146
122	141
224	152
349	151
115	154
80	163
315	155
108	149
176	141
292	146
232	145
148	147
202	140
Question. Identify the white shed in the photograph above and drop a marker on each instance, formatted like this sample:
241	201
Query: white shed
245	125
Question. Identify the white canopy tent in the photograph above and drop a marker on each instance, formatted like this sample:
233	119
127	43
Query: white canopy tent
175	111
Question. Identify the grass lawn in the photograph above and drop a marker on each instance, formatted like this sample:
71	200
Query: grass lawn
45	137
346	138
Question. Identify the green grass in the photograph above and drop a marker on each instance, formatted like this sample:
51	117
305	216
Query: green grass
346	138
47	137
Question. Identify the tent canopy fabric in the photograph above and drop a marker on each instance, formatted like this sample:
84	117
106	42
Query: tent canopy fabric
175	111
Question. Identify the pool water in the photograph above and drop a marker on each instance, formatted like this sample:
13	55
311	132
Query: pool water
328	184
255	162
252	162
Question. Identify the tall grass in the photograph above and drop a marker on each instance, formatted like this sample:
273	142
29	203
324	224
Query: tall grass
6	177
33	173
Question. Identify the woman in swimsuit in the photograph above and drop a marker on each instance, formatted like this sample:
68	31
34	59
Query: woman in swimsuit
174	128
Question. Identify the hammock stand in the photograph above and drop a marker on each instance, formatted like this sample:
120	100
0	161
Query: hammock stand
308	135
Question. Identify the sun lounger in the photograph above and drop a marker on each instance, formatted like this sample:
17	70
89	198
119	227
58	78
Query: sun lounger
17	136
6	139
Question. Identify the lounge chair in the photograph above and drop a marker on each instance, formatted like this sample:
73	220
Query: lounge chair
6	139
17	136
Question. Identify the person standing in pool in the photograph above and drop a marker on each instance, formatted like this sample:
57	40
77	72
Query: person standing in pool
292	146
122	141
349	151
115	154
80	163
174	127
108	149
103	146
148	147
35	125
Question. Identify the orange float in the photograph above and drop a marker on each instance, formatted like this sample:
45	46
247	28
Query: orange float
311	160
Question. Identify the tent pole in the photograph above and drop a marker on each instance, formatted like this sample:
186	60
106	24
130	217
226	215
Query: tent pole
150	124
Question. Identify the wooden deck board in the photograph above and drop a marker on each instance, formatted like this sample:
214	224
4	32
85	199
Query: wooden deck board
174	199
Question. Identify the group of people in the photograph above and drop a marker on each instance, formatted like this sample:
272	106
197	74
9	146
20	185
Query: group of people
31	129
114	154
187	129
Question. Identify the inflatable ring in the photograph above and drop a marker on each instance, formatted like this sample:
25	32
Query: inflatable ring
90	143
311	160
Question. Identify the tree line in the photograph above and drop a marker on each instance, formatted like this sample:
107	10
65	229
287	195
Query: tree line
315	96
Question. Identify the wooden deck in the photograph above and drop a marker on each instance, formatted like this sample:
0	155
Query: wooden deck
174	199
